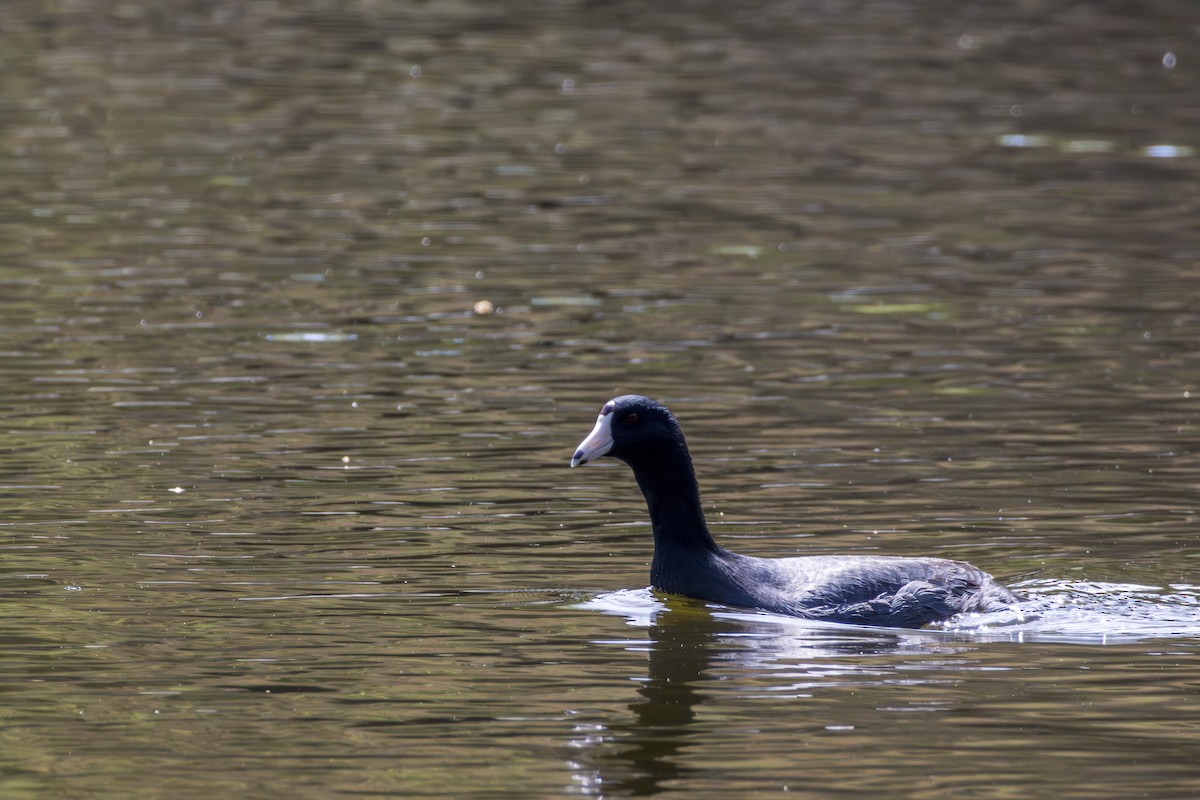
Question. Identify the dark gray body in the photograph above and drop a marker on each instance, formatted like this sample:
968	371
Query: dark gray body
861	590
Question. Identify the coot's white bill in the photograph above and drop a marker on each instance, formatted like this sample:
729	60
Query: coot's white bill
598	442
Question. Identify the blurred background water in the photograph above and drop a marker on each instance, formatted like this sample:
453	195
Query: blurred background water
305	305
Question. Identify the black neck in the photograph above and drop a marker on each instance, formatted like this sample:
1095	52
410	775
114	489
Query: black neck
668	482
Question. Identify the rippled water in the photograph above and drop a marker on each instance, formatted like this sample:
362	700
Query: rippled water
303	308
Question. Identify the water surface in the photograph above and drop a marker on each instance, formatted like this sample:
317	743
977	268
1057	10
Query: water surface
286	503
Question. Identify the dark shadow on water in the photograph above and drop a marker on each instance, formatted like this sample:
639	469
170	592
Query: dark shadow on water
689	649
647	748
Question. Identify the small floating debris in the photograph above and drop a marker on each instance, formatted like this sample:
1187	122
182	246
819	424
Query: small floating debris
311	336
177	490
1087	146
516	169
566	300
898	308
483	308
746	250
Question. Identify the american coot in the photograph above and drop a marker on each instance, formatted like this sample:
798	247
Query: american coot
863	590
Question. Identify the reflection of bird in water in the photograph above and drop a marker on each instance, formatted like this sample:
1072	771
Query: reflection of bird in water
680	656
639	756
687	645
863	590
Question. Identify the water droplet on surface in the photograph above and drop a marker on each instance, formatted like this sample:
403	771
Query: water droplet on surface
1021	140
1168	151
311	336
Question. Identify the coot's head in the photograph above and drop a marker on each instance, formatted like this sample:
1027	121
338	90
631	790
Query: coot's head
628	428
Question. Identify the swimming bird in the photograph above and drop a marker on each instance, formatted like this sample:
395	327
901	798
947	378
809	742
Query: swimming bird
864	590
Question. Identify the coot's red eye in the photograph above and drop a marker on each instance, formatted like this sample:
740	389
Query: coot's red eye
631	417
